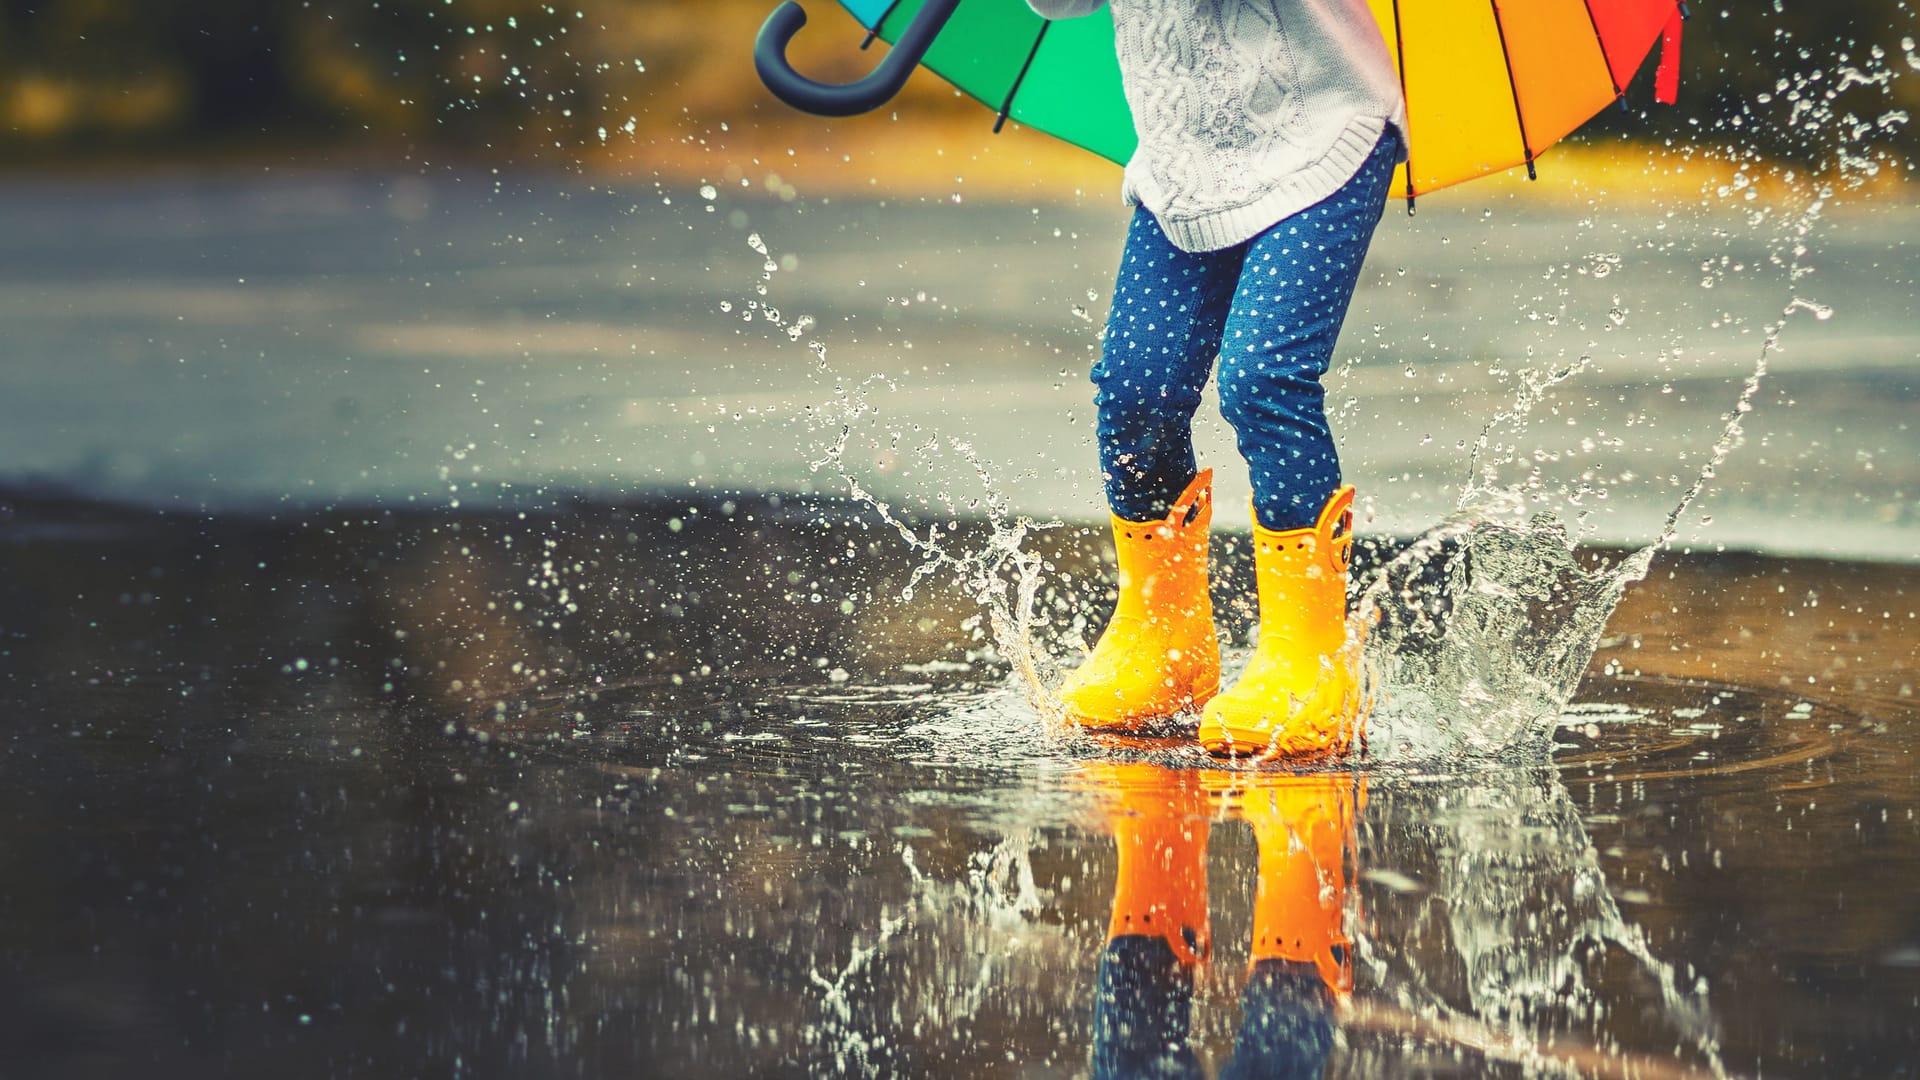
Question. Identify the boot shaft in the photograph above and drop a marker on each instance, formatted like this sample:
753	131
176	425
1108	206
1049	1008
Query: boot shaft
1301	580
1163	562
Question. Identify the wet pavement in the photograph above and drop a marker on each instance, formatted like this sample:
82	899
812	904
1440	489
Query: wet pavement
472	336
685	787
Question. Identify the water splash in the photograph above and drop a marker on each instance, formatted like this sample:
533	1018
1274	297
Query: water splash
1002	574
1479	631
1501	876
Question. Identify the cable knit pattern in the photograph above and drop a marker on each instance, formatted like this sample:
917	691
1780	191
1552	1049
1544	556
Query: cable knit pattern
1248	111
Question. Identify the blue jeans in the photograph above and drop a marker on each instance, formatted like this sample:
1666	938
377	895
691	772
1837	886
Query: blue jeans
1270	309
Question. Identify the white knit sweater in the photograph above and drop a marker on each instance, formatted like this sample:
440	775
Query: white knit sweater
1248	111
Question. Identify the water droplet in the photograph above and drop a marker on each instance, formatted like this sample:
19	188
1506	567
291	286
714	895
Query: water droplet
1820	311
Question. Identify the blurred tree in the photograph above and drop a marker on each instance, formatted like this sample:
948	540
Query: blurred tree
521	78
1788	78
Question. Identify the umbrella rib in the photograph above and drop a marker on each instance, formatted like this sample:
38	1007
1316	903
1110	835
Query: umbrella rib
1619	93
878	23
1400	53
1007	105
1519	117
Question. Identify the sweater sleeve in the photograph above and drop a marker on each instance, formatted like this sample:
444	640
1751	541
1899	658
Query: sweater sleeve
1065	9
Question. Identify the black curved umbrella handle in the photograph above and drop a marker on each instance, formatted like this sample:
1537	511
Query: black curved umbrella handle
864	95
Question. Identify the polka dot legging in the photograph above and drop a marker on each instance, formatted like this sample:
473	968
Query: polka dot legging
1270	309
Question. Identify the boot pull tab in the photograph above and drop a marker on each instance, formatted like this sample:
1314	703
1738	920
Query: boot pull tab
1192	501
1336	527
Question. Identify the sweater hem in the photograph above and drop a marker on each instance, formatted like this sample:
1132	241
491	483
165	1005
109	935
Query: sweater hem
1292	193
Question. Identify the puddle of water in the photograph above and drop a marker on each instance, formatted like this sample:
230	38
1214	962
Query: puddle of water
335	792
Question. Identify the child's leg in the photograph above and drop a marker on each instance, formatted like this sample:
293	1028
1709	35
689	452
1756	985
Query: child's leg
1278	340
1300	692
1162	335
1159	654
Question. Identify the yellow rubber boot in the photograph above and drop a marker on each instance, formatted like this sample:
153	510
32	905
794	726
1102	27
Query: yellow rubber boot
1159	654
1304	826
1299	695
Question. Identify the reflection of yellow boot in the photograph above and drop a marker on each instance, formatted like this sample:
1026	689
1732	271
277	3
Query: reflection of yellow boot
1159	654
1161	888
1157	937
1304	827
1159	817
1299	695
1300	967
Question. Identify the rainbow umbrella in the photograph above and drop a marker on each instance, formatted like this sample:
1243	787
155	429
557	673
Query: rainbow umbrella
1489	85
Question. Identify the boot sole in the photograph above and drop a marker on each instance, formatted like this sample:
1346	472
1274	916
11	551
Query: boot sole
1228	741
1196	701
1231	747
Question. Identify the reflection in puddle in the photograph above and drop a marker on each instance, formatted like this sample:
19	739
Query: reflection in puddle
1159	933
1504	917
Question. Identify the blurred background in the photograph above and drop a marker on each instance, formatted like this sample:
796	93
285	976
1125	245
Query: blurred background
486	251
630	84
595	85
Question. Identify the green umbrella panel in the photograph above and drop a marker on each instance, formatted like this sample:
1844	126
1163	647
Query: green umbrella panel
1059	77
